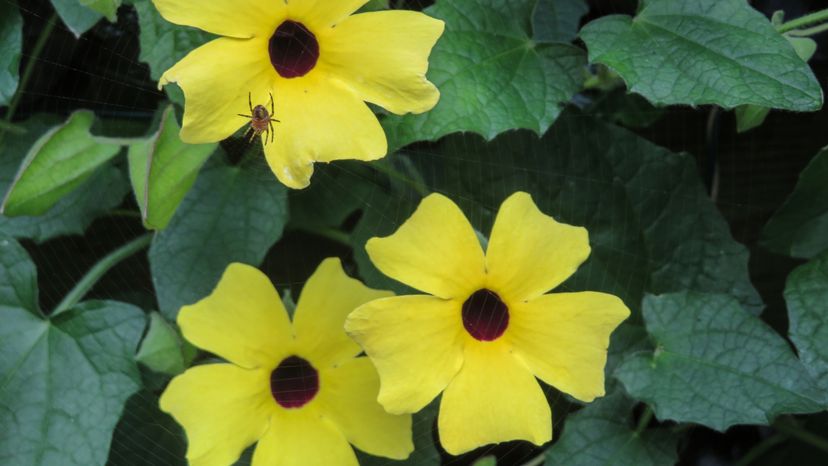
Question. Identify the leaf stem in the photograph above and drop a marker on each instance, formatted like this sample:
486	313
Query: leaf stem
801	434
98	270
644	421
809	31
807	20
536	461
27	72
11	127
760	449
387	169
332	234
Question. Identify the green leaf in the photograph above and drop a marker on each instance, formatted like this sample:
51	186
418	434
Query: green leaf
717	365
752	116
749	117
108	8
703	52
163	350
162	43
74	212
806	294
163	169
557	20
146	436
800	227
18	278
57	164
232	214
623	108
652	227
492	75
11	45
602	433
75	16
486	461
65	378
340	190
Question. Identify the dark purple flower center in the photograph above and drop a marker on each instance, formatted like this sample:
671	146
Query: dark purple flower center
293	50
485	315
294	383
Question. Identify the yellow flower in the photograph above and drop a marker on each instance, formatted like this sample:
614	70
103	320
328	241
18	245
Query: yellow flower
296	388
317	61
486	329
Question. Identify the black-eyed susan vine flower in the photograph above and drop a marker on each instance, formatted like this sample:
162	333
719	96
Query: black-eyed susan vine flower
319	63
486	329
297	388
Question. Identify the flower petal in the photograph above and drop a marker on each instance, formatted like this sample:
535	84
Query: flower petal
327	298
529	252
320	122
563	339
415	342
348	397
322	14
243	320
435	250
215	95
383	56
223	410
300	437
493	399
233	18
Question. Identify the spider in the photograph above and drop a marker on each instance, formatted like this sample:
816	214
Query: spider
260	120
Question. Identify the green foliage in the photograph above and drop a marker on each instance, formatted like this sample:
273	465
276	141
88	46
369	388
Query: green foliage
108	8
703	52
603	433
11	45
163	169
73	213
717	365
557	20
232	214
65	377
520	110
800	227
752	116
163	43
806	294
652	228
493	73
77	17
163	349
57	164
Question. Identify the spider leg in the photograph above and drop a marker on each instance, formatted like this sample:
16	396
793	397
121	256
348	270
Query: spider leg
253	136
250	101
246	116
275	120
272	108
272	132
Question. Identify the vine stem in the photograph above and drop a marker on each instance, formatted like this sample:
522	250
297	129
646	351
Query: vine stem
807	20
100	269
801	434
27	72
760	449
644	421
809	31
